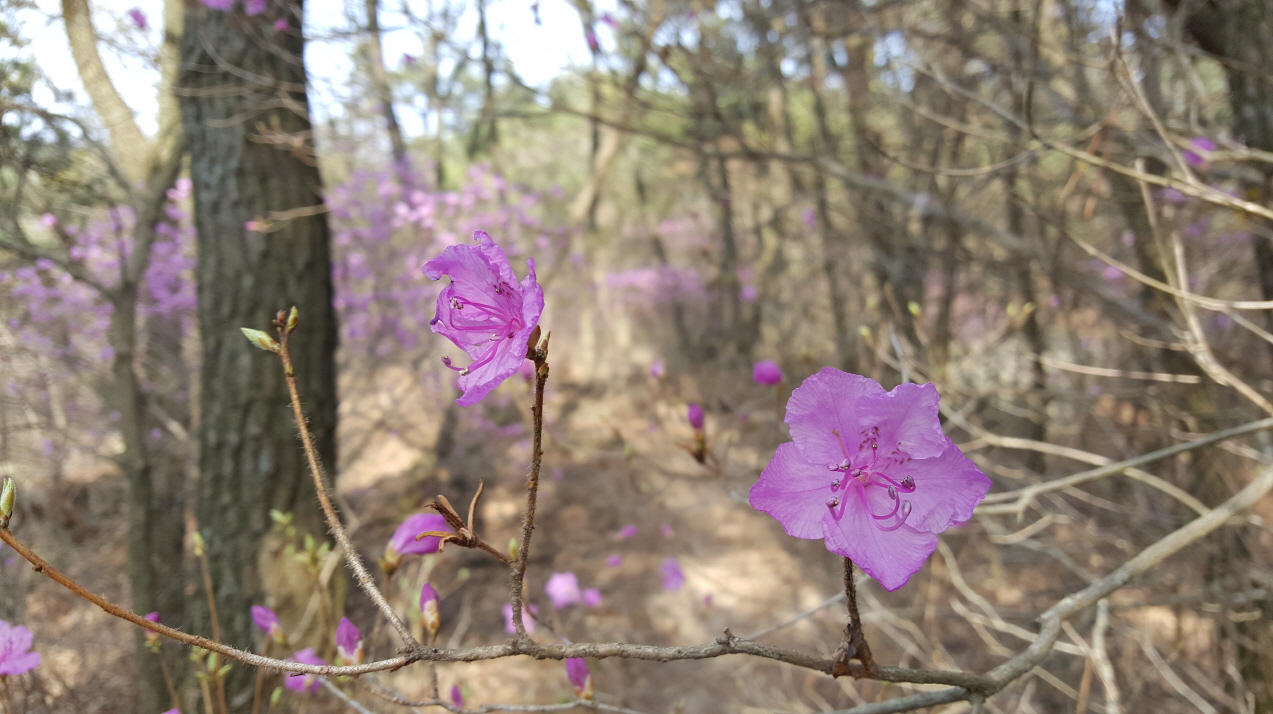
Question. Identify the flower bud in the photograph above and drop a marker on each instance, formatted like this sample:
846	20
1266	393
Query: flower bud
349	649
196	544
8	495
275	696
152	637
293	318
429	609
514	549
695	416
577	673
261	339
457	697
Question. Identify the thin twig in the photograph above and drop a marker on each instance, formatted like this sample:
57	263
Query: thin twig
285	325
539	354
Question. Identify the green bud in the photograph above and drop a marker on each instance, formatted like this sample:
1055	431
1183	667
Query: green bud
293	317
513	548
260	339
279	517
214	661
196	544
864	331
8	494
225	669
913	307
275	696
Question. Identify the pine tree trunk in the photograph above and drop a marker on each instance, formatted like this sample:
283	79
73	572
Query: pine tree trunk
245	114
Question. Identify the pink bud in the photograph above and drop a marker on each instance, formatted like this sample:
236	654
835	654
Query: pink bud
577	673
695	416
767	373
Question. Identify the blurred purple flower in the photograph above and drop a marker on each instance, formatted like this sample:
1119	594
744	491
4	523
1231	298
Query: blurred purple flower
349	648
457	697
592	597
139	19
1173	196
404	540
748	293
695	416
673	576
528	618
577	673
48	220
265	619
281	25
707	600
408	60
666	530
15	643
614	561
810	218
304	682
485	313
1201	143
591	37
626	532
563	589
609	21
223	5
870	472
656	369
767	373
558	473
253	7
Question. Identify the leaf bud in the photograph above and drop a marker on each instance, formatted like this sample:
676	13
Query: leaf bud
8	495
261	340
293	318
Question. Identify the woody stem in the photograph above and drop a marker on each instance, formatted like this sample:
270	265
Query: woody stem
540	357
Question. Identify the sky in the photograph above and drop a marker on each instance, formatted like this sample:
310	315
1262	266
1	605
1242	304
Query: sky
538	52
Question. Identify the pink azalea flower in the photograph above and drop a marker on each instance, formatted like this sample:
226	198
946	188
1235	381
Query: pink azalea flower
1201	143
485	312
577	673
304	682
626	532
810	218
349	648
223	5
139	19
614	561
253	7
666	530
592	597
767	373
563	589
527	619
870	472
656	369
748	293
695	416
15	643
457	697
673	576
281	25
267	620
404	540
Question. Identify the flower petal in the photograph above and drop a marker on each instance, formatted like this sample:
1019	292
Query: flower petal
947	489
828	401
891	557
20	664
908	420
793	491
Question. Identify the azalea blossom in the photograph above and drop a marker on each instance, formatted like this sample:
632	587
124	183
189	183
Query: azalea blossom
152	637
304	682
15	655
870	472
485	312
139	18
457	697
349	648
766	373
673	576
563	590
626	532
580	678
592	597
267	620
614	561
404	540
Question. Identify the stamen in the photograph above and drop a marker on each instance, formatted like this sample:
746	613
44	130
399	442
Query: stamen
908	482
892	492
833	502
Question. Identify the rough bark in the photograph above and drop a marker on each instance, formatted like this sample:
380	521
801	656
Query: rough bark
245	114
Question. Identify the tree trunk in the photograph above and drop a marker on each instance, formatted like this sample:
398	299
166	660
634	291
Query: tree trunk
245	113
